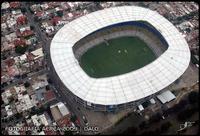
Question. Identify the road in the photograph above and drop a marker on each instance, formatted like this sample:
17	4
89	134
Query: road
17	81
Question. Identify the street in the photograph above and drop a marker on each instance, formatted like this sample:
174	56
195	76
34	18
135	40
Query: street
43	71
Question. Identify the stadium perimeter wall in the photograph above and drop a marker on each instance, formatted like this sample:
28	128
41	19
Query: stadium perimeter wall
143	30
153	44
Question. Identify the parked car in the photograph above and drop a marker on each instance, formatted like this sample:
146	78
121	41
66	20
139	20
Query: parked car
85	120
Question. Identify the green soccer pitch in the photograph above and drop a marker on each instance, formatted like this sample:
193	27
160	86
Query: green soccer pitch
116	56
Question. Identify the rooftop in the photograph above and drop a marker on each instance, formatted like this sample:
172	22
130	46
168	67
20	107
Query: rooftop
59	110
49	95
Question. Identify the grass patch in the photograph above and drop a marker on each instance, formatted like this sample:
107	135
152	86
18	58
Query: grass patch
116	56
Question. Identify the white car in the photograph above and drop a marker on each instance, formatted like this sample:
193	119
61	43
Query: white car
85	120
73	124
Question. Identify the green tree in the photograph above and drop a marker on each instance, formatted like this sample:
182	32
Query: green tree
143	125
49	81
26	84
60	13
73	118
165	126
18	115
155	118
32	27
23	10
20	49
185	114
131	130
68	132
47	87
193	97
37	110
11	99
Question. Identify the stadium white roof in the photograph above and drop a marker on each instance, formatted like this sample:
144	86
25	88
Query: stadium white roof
121	88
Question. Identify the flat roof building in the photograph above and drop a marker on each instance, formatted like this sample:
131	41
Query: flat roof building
166	96
59	110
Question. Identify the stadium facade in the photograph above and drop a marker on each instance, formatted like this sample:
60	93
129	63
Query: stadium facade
121	91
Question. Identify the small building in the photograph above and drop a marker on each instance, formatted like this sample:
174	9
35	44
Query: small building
49	95
23	58
4	98
10	62
63	109
59	110
38	53
15	5
20	89
13	71
8	110
11	23
10	37
24	103
41	133
43	120
19	42
21	20
27	33
5	5
63	122
55	112
140	107
35	120
39	120
166	96
39	94
16	12
39	82
3	26
152	101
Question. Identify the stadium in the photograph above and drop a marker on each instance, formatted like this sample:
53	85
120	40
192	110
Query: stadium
114	58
